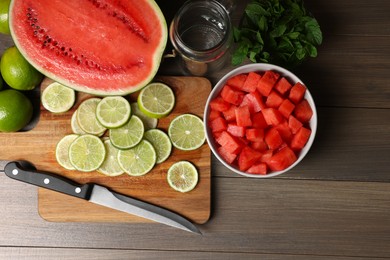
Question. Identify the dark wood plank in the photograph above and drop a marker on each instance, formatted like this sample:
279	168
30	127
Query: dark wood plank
119	254
323	218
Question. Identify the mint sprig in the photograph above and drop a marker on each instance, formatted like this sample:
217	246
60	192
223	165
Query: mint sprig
274	31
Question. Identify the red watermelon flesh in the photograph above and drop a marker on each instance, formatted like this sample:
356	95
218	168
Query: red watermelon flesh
100	47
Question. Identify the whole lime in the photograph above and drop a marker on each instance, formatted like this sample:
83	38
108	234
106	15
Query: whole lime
4	7
17	72
16	110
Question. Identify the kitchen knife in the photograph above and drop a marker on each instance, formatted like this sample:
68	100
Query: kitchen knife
23	171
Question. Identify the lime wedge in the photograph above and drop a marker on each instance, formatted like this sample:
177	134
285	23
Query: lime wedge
75	125
129	135
113	112
182	176
62	151
186	132
138	160
87	153
58	98
86	117
110	166
156	100
149	122
161	143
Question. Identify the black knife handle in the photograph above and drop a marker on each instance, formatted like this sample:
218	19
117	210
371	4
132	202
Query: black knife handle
48	180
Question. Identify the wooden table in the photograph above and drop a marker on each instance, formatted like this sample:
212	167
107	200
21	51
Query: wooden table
334	205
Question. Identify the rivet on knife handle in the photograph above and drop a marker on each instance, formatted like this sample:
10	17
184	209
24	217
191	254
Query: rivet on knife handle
46	180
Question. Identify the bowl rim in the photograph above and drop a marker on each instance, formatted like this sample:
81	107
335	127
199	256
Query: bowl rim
260	67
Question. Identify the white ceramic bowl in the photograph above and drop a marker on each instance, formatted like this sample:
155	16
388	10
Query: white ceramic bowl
259	67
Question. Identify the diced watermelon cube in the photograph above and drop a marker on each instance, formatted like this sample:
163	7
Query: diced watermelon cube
258	121
286	108
226	155
282	159
231	95
297	92
237	81
214	114
260	146
300	139
251	81
230	114
266	156
274	100
231	144
243	116
273	139
219	104
254	134
254	101
218	124
283	85
285	132
272	116
236	130
267	82
260	168
294	124
247	158
303	111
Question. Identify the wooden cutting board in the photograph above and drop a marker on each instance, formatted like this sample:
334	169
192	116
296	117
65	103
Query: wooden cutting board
38	147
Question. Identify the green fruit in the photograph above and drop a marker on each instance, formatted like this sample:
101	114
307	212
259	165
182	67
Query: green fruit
15	110
4	25
17	72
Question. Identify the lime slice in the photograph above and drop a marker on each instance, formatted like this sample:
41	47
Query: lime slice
87	153
129	135
75	125
156	100
86	117
57	98
62	151
182	176
161	143
113	112
149	122
110	166
187	132
138	160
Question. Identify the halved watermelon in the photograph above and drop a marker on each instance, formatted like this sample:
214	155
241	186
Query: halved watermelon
103	47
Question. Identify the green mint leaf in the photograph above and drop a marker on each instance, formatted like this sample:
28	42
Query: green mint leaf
278	31
314	34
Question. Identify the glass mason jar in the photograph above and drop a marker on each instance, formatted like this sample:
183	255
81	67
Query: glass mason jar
201	33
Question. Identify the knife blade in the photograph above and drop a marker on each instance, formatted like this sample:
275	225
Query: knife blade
25	172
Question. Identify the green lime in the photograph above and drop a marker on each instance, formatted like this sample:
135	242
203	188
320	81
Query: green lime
86	117
138	160
16	110
129	135
4	25
113	112
17	72
161	143
182	176
76	129
149	122
187	132
156	100
58	98
87	153
62	151
110	166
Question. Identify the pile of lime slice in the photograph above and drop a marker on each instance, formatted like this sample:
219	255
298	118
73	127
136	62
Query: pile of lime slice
113	136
